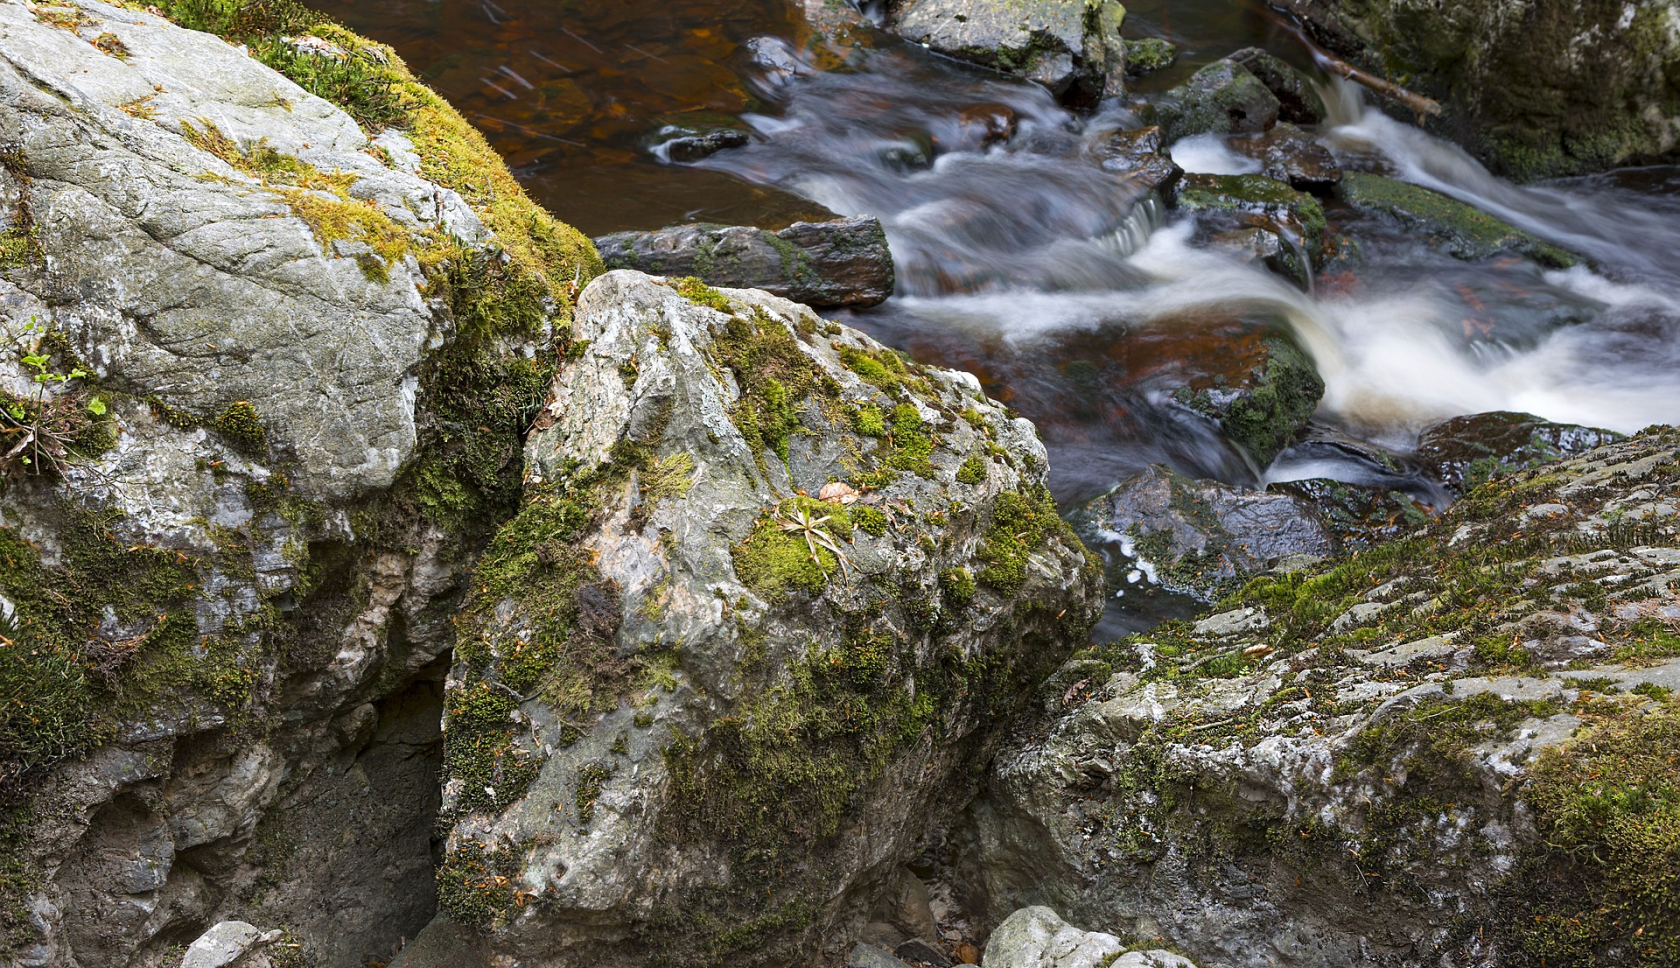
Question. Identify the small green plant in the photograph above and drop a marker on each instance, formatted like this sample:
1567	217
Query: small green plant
806	523
45	432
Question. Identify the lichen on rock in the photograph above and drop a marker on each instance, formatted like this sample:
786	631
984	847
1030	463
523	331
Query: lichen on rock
1438	749
778	669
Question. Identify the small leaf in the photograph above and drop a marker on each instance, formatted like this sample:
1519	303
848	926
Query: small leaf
97	407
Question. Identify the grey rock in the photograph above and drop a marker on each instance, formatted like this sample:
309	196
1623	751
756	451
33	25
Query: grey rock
1298	99
1037	937
223	293
1193	535
230	944
1072	47
1175	803
1221	98
671	809
845	262
920	952
1465	451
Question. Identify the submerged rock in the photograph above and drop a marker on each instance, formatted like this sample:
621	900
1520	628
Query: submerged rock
1221	98
1465	451
1537	90
1194	536
1440	750
844	262
1460	230
1073	47
690	142
689	693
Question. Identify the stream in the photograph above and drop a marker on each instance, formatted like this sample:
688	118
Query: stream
1076	298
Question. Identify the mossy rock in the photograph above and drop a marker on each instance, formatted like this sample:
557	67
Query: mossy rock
832	569
1460	230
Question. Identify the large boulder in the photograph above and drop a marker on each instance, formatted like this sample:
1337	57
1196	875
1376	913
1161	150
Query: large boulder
1534	89
1456	748
1072	47
844	262
265	379
772	591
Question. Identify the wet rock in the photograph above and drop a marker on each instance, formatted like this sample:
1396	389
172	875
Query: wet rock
778	61
1288	154
1262	397
710	745
1298	98
1193	536
1359	515
1460	230
1230	785
1137	154
1148	55
844	262
1293	218
1037	937
1221	98
1579	88
1465	451
1073	47
686	143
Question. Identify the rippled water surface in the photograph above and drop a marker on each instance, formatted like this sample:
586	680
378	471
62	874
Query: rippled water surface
1076	298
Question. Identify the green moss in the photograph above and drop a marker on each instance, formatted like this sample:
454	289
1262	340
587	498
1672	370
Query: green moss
869	520
1257	195
1020	524
972	471
18	247
787	550
1463	231
476	886
697	292
1597	888
590	780
775	376
959	585
1283	398
242	426
867	420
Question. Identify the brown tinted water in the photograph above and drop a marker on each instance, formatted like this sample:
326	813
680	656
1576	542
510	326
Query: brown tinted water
1074	297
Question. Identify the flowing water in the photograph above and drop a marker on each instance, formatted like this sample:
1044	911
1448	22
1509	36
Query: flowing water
1073	294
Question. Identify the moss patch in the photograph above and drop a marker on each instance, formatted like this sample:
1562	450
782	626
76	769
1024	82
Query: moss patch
1463	231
